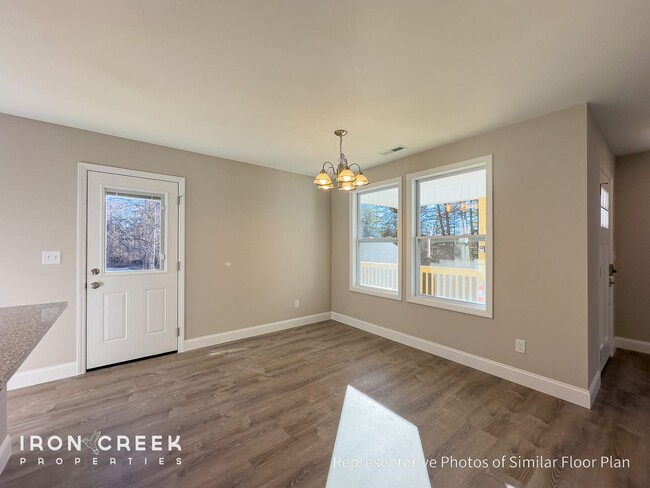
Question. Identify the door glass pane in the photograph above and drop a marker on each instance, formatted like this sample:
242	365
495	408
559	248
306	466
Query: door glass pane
378	213
604	208
134	232
453	269
378	265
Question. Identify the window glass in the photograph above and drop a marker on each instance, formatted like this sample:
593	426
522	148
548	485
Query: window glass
378	265
378	213
604	208
134	232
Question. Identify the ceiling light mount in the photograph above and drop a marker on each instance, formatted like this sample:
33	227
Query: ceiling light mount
346	178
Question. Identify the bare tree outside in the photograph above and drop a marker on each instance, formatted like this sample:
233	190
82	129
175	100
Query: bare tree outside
133	233
460	219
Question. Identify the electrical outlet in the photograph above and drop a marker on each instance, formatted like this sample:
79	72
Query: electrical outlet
296	304
520	346
51	257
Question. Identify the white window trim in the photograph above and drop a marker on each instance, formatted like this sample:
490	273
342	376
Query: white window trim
411	215
368	290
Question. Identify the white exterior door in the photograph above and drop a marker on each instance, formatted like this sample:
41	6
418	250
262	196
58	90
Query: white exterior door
131	268
606	299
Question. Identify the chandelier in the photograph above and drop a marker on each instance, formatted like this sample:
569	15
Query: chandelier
346	179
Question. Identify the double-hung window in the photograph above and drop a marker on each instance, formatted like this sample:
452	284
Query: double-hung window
450	248
375	234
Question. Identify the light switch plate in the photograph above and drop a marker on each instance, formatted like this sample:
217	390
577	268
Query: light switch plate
51	257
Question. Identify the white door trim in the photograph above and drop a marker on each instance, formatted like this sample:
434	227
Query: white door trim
82	201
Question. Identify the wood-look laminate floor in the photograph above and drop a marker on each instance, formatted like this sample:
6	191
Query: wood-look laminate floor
264	412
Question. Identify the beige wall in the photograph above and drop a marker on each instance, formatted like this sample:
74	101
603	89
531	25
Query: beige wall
540	251
599	160
543	275
632	240
271	225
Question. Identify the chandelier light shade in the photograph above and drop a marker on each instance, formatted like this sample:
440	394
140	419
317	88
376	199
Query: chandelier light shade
361	180
323	179
346	179
346	175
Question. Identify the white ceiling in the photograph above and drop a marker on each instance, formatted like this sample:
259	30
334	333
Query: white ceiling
267	81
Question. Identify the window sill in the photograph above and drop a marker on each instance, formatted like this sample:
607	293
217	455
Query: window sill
447	305
376	292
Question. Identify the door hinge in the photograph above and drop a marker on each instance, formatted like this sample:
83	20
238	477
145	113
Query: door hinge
178	266
179	199
178	332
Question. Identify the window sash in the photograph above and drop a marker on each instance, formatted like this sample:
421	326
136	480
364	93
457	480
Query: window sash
440	176
385	279
377	239
471	237
357	242
358	211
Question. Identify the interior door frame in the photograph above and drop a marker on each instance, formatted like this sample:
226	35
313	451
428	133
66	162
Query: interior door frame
82	209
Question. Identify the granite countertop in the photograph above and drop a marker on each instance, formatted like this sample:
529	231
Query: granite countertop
21	328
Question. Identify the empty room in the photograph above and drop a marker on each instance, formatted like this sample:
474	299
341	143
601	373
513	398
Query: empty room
342	244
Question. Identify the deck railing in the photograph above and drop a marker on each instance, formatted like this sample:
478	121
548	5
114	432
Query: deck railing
465	284
379	275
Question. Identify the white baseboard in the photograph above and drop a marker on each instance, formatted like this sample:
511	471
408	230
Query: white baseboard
632	345
594	387
570	393
235	335
5	452
42	375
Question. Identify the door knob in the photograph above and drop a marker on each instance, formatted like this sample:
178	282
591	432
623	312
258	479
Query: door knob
94	271
94	285
612	270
